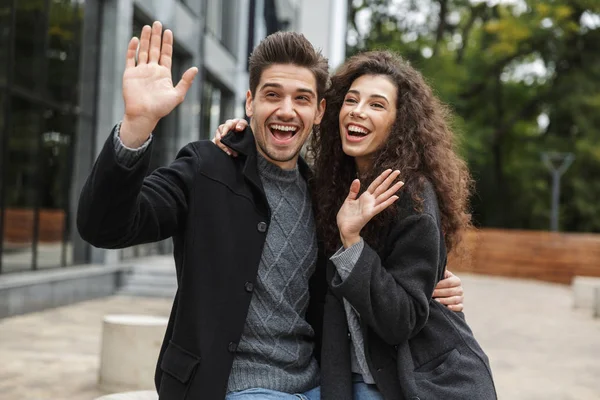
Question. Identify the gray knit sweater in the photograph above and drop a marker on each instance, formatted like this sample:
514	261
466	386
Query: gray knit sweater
275	351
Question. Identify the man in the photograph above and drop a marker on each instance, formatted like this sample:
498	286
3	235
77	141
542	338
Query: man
245	322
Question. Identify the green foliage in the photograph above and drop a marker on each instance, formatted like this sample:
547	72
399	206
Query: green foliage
500	68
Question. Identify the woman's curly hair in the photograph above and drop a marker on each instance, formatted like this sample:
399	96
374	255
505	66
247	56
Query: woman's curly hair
421	145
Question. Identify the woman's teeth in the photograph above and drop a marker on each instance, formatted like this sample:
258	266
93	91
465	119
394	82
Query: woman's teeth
356	131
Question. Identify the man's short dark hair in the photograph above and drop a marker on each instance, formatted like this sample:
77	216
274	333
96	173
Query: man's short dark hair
288	48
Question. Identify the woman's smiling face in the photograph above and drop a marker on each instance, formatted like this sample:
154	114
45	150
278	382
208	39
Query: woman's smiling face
367	116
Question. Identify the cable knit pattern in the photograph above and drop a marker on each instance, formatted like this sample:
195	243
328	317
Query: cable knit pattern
276	351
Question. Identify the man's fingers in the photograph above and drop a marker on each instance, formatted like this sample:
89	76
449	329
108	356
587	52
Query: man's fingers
456	307
450	301
387	182
144	44
449	292
166	52
155	42
131	50
186	81
378	180
451	281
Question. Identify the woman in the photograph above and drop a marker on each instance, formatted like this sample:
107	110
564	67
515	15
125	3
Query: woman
382	115
383	336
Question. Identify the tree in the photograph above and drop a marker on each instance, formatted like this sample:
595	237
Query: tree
522	78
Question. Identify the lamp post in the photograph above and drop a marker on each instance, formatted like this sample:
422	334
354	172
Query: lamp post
557	164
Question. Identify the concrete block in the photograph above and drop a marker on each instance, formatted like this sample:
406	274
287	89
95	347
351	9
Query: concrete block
140	395
596	302
583	291
130	347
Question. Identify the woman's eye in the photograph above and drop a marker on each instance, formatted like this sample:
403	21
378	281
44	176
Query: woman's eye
350	101
377	105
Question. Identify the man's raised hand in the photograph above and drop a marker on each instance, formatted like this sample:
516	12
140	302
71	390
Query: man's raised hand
148	89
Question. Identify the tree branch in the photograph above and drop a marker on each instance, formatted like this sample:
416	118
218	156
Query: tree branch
441	27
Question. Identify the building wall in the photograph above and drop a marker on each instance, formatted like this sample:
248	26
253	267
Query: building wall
42	122
117	25
207	35
324	23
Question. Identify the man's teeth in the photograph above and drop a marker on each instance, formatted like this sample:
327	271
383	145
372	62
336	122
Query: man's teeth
284	128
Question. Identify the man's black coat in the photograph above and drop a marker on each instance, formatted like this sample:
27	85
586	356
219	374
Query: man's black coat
215	209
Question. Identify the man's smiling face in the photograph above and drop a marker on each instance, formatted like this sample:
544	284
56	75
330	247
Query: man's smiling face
283	111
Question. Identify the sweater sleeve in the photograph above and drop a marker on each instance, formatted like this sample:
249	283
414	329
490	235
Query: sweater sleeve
125	155
345	259
120	206
393	296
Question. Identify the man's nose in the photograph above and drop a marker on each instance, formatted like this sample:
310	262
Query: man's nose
286	110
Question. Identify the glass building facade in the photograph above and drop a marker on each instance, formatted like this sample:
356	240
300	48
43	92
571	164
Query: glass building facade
61	66
40	64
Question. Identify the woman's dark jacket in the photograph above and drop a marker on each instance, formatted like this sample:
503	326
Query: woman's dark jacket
416	348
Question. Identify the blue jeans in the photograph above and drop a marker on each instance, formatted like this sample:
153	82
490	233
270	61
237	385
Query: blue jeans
266	394
364	391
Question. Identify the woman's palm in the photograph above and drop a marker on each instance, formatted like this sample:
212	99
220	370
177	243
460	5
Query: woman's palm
357	211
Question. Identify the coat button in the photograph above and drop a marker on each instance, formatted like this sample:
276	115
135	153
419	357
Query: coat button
249	287
379	369
349	337
232	347
262	226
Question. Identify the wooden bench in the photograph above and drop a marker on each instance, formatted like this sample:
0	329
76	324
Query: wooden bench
547	256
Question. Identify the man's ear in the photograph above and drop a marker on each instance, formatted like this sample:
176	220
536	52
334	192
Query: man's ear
320	112
249	99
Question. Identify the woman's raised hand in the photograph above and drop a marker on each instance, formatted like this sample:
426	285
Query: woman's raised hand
357	211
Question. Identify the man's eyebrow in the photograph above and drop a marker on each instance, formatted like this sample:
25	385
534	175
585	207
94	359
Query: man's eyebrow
380	96
271	85
274	85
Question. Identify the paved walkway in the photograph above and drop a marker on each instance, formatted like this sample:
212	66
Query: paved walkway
539	347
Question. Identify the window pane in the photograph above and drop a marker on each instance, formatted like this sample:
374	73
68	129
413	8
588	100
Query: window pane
19	187
30	36
5	16
64	43
55	166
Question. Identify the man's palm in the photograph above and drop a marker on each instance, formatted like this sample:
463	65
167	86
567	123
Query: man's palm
148	89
